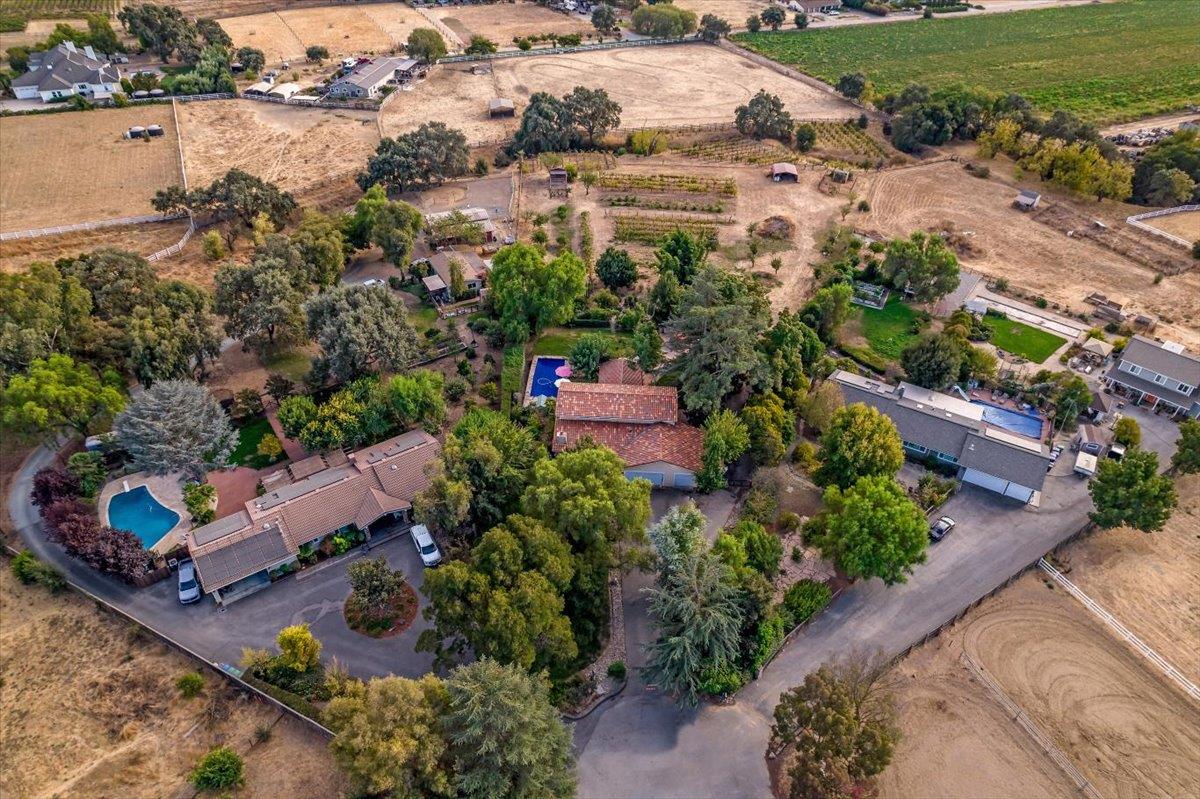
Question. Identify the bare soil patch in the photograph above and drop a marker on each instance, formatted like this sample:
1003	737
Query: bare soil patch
59	169
1185	224
503	23
1149	581
687	84
1028	254
91	710
735	12
344	30
297	148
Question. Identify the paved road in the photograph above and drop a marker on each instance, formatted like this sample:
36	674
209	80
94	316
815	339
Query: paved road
643	746
314	596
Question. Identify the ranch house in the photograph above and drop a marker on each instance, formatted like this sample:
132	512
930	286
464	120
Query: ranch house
952	431
305	504
1157	375
65	71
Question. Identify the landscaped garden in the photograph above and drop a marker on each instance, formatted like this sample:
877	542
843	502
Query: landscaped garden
890	329
1022	339
250	436
560	340
1105	62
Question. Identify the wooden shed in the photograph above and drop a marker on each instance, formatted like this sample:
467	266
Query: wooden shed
501	107
560	185
782	172
1027	200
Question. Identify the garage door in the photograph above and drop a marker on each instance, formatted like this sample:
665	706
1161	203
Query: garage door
685	480
1018	492
988	481
655	478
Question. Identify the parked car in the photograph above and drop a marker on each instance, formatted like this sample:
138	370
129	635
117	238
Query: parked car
1054	453
371	282
189	589
426	547
941	528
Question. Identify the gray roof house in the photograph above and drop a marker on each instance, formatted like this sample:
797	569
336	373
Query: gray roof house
1157	375
66	71
953	431
367	81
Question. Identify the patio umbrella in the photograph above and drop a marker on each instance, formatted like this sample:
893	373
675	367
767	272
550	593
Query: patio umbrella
563	371
559	383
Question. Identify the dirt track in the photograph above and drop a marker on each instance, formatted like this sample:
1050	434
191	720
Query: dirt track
684	84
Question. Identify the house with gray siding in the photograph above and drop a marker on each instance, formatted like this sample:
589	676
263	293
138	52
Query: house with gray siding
1158	375
953	431
66	71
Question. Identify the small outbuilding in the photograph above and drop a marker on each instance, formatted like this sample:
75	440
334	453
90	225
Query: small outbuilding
784	172
259	89
1099	349
1027	200
501	107
840	175
437	288
284	91
155	130
560	184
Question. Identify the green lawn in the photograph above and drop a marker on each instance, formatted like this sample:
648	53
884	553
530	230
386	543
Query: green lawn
559	340
249	434
1107	62
889	330
1021	339
291	363
423	318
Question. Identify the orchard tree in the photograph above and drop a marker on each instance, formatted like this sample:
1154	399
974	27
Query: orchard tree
1131	492
713	28
859	442
837	730
388	736
872	529
805	136
764	118
360	329
853	85
616	269
426	45
530	293
56	396
682	254
800	20
175	426
506	739
696	613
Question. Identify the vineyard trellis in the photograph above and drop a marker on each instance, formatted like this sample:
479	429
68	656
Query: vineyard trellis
654	204
650	230
37	9
668	183
847	137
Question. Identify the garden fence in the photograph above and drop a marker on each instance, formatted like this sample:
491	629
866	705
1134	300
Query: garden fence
1136	221
582	48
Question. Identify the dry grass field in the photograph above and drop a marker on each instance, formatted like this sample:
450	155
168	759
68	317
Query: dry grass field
1030	255
294	147
671	86
36	30
1117	719
142	239
734	12
1185	224
90	710
503	23
59	169
345	30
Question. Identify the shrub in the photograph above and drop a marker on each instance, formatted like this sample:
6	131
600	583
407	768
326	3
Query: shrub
768	638
804	456
789	522
721	681
190	685
221	768
246	403
455	389
269	447
760	506
198	497
29	570
299	649
617	670
213	246
804	600
89	468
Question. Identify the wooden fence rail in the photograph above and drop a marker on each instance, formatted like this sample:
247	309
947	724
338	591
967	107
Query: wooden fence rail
1136	221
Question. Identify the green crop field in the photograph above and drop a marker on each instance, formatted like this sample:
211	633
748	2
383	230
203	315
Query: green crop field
1107	63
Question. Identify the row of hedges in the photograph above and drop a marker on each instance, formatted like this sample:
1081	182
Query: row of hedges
510	376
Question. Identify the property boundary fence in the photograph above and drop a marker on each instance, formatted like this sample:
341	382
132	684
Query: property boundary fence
1158	660
1018	715
215	667
177	247
348	105
1136	221
97	225
583	48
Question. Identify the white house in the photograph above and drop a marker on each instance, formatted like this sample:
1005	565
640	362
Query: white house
66	71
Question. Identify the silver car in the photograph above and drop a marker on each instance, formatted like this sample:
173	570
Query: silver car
189	589
426	547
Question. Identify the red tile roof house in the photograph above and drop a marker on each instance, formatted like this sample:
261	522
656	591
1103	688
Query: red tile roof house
638	422
311	499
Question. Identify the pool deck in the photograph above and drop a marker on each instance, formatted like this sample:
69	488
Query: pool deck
1011	405
166	489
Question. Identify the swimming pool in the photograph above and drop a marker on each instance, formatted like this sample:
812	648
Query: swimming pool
1014	421
541	382
140	513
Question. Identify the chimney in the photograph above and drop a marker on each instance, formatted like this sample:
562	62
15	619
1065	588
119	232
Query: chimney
900	391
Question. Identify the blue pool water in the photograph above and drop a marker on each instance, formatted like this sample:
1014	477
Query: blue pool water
1021	423
542	384
141	514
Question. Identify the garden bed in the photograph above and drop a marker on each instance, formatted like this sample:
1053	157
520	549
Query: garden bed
382	622
651	230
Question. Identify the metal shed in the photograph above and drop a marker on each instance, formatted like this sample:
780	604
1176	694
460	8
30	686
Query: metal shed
784	172
501	107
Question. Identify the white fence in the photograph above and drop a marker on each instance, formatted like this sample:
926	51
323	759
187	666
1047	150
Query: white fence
582	48
103	223
1136	221
1158	660
174	248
